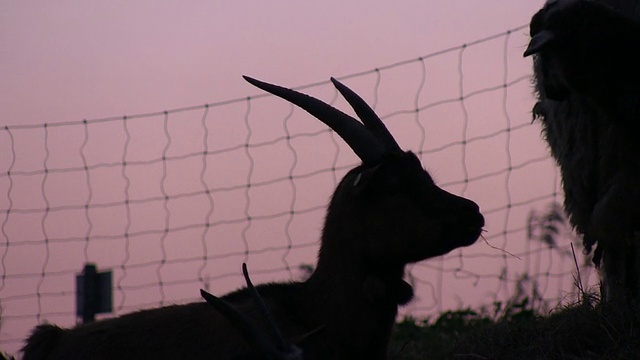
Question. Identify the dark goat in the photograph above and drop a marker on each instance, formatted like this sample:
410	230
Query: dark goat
384	214
587	79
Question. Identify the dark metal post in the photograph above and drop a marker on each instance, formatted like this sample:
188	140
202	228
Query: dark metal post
94	293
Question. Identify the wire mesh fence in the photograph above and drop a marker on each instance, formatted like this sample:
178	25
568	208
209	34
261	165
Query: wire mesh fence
176	200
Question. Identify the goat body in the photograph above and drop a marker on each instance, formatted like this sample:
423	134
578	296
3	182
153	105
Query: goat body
587	80
384	214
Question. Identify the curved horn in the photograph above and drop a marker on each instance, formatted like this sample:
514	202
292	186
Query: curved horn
368	116
247	328
281	343
368	148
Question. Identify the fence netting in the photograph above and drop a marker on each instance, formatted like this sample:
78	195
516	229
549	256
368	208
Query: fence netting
176	200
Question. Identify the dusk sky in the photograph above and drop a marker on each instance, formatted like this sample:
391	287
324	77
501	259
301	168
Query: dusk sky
69	60
66	61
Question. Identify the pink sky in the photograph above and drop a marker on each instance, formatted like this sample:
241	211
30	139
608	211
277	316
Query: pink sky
76	59
69	60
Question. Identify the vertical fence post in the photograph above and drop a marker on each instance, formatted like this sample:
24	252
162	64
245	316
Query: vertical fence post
94	293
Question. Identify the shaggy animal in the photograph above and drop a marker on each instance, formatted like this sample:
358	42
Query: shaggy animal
587	80
383	215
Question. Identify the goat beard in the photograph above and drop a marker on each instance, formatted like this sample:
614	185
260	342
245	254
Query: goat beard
378	291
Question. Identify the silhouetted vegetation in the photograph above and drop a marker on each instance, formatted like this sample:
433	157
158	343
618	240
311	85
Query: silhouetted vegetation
526	326
585	330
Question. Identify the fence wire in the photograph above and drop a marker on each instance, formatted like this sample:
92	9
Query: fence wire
176	200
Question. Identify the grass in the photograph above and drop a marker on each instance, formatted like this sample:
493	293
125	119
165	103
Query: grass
584	330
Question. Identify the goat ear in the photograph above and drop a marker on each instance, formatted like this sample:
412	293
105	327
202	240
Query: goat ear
538	42
383	176
363	178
